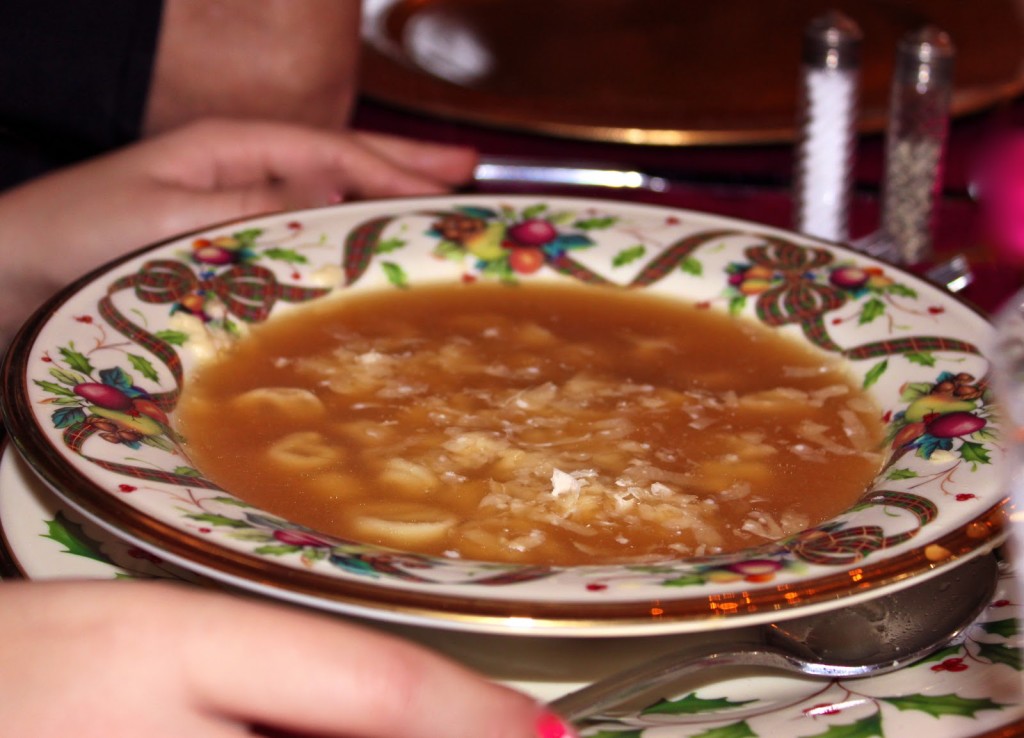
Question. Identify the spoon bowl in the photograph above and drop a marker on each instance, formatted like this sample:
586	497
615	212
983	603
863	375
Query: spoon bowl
866	639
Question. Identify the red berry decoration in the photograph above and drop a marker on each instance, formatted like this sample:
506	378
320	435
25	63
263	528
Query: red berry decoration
849	278
215	255
533	232
526	260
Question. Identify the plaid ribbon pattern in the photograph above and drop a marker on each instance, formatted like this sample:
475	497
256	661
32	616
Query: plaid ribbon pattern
572	268
76	435
674	255
248	291
361	243
360	246
910	345
844	546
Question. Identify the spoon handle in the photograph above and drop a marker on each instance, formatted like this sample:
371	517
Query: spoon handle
662	671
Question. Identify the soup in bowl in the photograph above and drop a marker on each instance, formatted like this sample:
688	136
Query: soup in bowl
557	416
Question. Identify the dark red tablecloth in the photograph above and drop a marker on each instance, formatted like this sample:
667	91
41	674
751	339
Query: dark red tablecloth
751	182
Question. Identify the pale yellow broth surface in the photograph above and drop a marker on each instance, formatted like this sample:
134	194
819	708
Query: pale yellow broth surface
533	424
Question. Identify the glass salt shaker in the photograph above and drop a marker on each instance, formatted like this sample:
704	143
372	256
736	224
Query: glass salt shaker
915	143
830	76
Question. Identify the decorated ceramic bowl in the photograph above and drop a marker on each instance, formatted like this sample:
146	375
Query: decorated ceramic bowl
142	325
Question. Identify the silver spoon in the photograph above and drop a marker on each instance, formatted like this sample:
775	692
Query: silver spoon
867	639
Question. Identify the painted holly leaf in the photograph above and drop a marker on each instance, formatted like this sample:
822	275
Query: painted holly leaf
692	266
73	537
277	549
175	338
76	360
233	501
388	245
866	727
687	580
247	238
691	704
288	256
221	521
54	388
901	289
534	210
875	373
736	304
974	453
628	256
872	309
66	417
143	366
1005	628
924	358
594	224
1000	654
896	474
942	704
187	471
395	274
733	730
68	378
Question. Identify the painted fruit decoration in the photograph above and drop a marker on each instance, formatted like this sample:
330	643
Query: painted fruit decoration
234	249
505	243
856	279
120	417
950	414
108	402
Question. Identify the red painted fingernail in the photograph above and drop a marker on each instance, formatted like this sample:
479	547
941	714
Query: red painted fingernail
549	725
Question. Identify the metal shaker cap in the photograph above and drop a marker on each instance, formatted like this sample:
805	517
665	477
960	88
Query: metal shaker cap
925	59
832	41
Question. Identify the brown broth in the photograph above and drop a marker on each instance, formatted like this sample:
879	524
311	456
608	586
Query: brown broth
533	424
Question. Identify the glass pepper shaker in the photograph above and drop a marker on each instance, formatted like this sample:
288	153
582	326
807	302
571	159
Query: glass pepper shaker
915	143
830	76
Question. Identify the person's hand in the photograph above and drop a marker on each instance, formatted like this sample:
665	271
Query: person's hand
61	225
218	170
113	659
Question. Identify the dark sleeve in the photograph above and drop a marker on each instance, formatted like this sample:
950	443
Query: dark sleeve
74	78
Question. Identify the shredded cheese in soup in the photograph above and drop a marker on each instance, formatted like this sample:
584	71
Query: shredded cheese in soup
534	424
